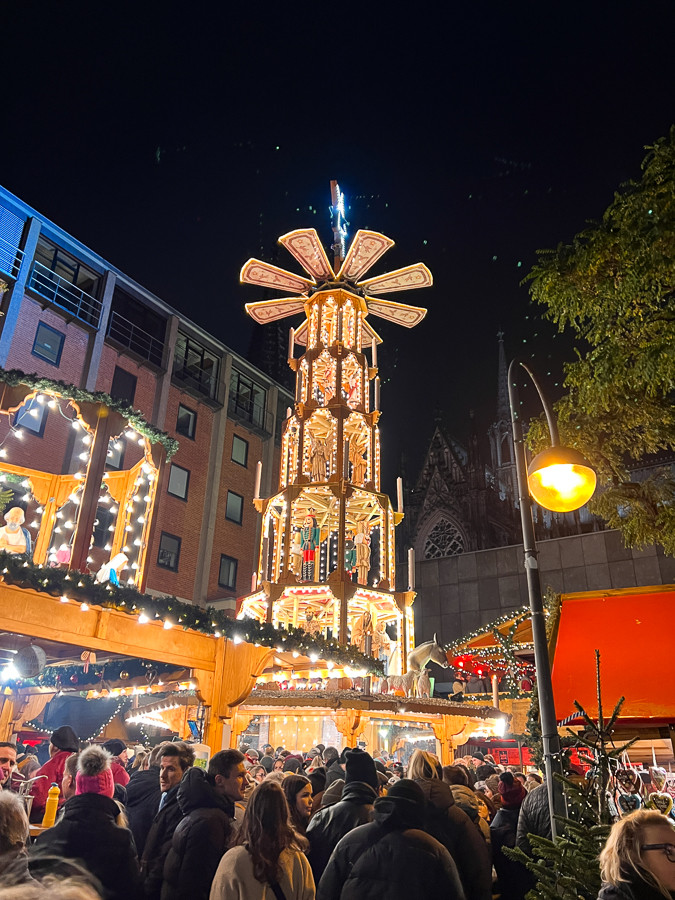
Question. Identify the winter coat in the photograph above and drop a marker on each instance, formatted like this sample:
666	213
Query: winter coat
534	818
332	823
143	796
392	858
467	800
200	839
158	844
632	889
333	772
514	879
87	832
234	879
119	773
454	829
53	770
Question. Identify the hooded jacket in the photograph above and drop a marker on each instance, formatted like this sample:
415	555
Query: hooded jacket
200	838
333	772
467	800
143	796
53	772
332	823
391	857
87	832
454	829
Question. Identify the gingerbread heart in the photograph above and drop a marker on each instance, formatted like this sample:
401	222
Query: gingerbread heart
662	802
628	779
658	777
628	803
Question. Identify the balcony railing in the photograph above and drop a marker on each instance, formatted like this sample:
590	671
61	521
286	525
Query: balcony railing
134	338
10	258
198	379
254	414
65	294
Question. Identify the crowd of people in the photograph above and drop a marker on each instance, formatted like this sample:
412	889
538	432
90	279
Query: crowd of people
325	824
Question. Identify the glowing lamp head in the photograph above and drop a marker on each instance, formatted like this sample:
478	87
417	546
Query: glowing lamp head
561	479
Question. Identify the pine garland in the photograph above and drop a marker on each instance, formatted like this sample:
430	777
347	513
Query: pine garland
136	420
16	570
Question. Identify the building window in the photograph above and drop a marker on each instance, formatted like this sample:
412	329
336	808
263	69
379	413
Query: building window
234	508
247	399
32	416
66	281
48	344
240	450
195	366
179	479
115	455
186	421
123	386
227	576
444	539
169	551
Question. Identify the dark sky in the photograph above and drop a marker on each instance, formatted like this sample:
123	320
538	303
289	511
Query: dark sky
177	141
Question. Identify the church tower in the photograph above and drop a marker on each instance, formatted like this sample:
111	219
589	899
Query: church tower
327	554
499	433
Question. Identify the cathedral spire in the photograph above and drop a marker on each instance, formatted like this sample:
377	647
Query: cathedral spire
502	383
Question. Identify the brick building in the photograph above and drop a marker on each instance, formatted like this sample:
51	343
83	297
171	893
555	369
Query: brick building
70	315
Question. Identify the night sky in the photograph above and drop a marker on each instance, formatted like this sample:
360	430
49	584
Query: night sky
177	142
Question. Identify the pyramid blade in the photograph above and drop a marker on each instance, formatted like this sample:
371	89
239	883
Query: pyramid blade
301	333
401	313
369	333
306	247
367	247
257	272
416	276
272	310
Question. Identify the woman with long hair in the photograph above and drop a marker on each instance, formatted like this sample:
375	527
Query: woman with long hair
268	860
638	860
298	791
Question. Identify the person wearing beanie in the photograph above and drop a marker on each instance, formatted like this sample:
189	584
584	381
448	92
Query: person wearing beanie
89	830
452	826
392	856
514	881
120	757
62	743
331	823
334	765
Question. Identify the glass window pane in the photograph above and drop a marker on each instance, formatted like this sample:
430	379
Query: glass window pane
179	479
234	508
186	421
240	450
227	576
169	551
48	344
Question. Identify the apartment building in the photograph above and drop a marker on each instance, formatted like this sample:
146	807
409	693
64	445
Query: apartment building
70	315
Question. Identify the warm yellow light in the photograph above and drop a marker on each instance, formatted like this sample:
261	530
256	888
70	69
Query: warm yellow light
560	479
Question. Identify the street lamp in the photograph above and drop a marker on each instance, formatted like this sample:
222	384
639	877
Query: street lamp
559	479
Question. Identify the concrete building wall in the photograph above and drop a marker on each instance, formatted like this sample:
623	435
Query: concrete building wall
458	594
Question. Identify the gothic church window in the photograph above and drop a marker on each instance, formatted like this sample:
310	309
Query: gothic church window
444	539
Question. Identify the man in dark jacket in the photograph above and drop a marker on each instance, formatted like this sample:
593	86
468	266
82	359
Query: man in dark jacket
535	817
391	857
335	764
143	796
206	831
88	831
176	759
332	823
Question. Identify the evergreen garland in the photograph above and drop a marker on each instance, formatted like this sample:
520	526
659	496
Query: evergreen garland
16	570
136	420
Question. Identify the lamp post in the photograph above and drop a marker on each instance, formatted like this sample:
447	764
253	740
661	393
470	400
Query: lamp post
560	479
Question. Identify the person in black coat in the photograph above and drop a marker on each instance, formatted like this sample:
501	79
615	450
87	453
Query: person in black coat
143	796
452	827
207	829
329	824
391	857
88	831
176	759
335	764
514	879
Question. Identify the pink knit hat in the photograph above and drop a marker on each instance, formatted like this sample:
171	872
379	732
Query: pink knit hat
94	775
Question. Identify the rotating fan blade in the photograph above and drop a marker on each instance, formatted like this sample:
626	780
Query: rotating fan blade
369	333
301	333
408	316
417	276
257	272
367	247
272	310
306	247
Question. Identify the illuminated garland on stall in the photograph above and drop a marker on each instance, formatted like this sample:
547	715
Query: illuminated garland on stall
14	378
72	586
